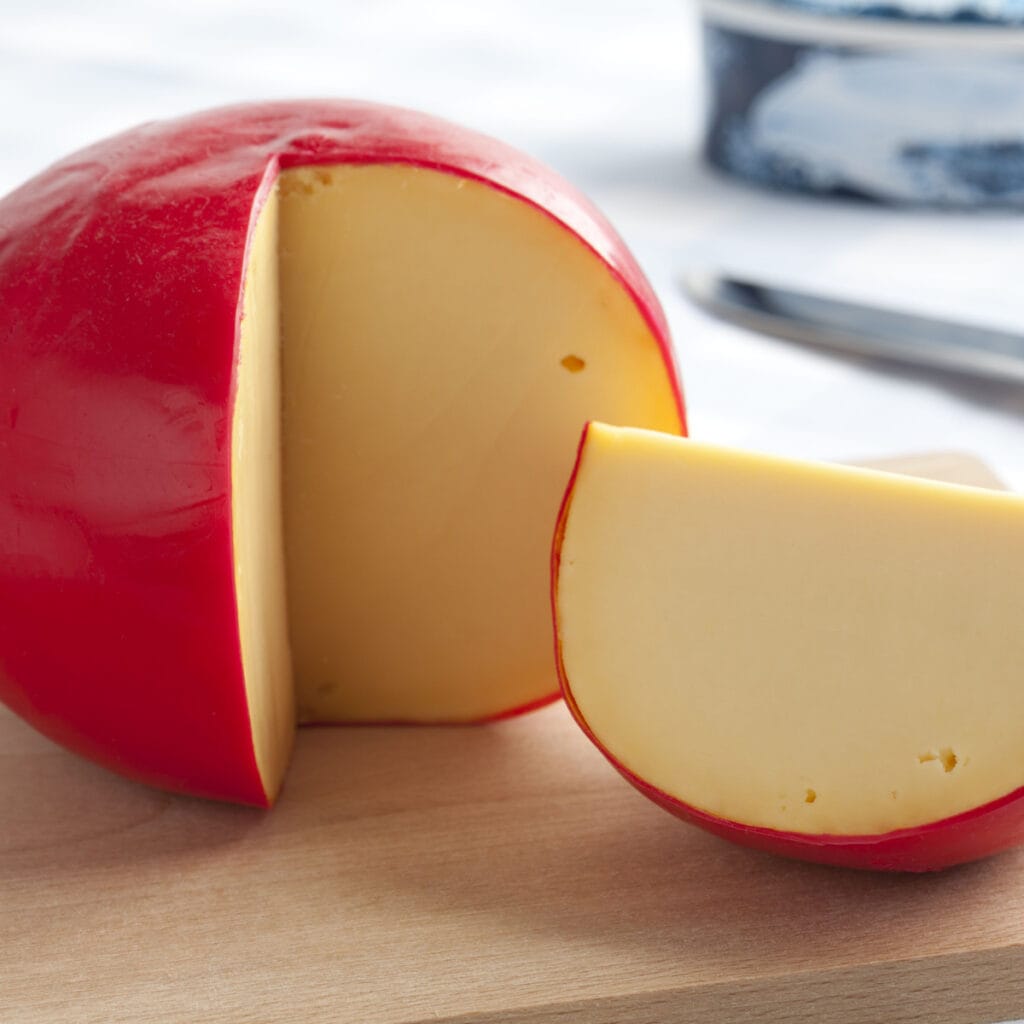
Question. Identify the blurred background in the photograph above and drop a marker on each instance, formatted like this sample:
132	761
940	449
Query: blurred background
612	95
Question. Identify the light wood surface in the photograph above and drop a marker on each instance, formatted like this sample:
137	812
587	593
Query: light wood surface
478	875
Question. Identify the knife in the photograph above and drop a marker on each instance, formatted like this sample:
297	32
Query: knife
857	329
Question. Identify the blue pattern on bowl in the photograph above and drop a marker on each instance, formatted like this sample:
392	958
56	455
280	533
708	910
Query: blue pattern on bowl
956	12
929	124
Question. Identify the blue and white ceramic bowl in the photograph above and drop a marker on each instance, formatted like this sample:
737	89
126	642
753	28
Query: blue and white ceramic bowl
917	101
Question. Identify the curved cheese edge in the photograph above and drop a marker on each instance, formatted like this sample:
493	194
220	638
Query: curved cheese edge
808	648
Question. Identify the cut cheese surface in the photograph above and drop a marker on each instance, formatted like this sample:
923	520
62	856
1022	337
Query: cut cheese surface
429	423
809	648
256	508
441	345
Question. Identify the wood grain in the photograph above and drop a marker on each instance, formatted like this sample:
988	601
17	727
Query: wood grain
473	875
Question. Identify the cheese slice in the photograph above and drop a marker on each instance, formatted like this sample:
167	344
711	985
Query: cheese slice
809	648
439	345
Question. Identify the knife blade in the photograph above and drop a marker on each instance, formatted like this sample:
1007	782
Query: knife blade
858	329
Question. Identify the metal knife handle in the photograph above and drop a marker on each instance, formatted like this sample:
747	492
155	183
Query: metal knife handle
859	329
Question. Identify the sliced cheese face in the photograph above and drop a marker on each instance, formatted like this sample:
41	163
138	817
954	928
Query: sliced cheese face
808	648
256	508
441	346
429	424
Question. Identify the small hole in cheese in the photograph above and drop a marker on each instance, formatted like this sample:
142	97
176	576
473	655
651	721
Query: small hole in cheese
810	797
946	755
573	363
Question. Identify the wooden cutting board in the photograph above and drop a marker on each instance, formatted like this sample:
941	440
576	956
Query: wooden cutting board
494	874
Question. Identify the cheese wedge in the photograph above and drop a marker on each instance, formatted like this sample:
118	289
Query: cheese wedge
803	648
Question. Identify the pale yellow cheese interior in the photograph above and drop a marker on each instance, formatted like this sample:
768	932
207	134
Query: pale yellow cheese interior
803	647
441	344
256	508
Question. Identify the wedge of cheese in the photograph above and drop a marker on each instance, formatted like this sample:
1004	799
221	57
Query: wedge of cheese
794	648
